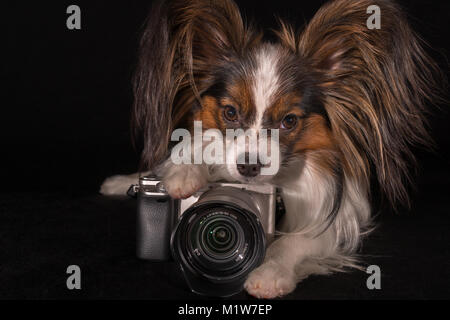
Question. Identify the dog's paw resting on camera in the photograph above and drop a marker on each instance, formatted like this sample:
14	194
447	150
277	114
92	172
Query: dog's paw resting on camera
348	102
181	181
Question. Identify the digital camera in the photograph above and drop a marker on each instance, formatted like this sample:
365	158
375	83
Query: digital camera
217	236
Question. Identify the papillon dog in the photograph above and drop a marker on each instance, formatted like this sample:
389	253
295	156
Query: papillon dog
348	102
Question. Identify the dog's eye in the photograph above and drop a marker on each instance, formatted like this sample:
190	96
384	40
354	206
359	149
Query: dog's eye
289	122
230	113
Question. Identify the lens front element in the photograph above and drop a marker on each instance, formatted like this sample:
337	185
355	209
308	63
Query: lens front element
217	245
219	237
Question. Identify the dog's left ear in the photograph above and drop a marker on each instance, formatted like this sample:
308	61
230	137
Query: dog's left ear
183	42
376	84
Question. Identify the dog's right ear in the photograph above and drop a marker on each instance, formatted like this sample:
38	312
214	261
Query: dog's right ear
183	42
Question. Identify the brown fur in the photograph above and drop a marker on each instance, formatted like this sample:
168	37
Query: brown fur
377	84
315	135
182	42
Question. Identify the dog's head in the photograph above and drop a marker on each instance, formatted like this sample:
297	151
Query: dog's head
339	93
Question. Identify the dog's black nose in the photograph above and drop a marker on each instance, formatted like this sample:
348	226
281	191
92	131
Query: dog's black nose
249	170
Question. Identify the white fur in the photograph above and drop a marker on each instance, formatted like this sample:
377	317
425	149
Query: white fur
119	184
266	81
298	253
264	87
181	181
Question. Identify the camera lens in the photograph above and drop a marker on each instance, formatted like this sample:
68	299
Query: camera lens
218	243
219	238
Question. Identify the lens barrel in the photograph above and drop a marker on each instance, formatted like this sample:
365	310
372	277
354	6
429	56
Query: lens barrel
217	244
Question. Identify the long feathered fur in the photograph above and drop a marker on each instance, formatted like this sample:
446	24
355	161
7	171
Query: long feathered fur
182	42
377	84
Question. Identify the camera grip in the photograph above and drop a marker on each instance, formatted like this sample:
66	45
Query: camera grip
156	218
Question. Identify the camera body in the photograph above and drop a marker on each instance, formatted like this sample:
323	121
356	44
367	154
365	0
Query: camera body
217	236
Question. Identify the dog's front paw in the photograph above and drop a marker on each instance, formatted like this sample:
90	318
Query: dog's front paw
117	185
182	181
270	280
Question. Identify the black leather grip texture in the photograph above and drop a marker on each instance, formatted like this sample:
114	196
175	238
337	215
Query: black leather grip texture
156	218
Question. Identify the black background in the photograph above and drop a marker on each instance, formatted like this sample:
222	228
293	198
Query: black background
64	127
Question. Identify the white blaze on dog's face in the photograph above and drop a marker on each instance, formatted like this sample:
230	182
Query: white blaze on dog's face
270	96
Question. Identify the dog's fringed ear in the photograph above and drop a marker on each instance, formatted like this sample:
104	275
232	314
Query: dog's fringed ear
183	42
377	84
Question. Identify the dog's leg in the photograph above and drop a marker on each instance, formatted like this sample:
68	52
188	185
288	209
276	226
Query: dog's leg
282	267
181	181
119	184
292	256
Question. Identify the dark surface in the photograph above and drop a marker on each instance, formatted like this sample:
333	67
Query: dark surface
43	233
98	235
65	127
